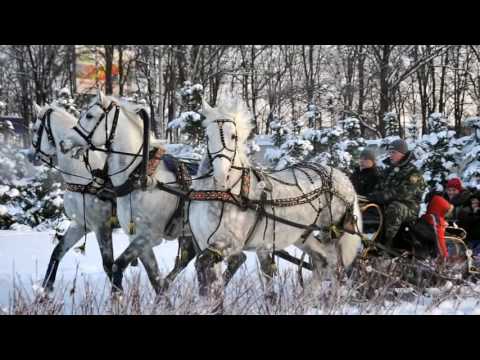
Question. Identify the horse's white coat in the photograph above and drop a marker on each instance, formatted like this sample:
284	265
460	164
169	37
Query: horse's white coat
97	213
230	234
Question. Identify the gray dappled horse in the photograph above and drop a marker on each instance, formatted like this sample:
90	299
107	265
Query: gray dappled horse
81	204
252	217
118	126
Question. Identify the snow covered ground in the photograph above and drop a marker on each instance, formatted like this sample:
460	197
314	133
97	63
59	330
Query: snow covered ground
24	257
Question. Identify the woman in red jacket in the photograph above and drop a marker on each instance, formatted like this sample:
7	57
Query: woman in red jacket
437	210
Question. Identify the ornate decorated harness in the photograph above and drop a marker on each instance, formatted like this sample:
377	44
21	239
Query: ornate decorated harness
143	174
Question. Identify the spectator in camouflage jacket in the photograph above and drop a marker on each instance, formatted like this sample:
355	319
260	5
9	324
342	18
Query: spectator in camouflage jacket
399	191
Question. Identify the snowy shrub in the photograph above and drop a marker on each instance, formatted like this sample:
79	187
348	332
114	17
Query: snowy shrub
65	100
189	121
412	129
442	152
391	124
30	196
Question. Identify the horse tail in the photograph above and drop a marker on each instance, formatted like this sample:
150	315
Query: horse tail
350	242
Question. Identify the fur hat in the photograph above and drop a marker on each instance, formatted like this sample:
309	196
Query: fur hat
368	154
399	145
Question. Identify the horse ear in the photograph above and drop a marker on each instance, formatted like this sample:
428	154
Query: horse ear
36	109
102	99
206	109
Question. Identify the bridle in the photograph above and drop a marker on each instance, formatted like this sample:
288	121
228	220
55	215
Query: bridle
45	127
109	137
87	135
218	154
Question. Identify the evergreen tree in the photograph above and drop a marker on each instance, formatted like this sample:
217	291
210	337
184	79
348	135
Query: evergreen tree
442	151
189	120
412	129
391	124
471	154
65	100
280	131
29	196
290	145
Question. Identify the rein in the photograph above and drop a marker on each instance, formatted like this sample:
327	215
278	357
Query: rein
45	126
109	137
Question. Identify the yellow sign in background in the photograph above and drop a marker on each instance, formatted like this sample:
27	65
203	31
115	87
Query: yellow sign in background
90	70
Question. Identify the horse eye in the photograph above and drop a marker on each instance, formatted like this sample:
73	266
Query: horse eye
234	137
89	116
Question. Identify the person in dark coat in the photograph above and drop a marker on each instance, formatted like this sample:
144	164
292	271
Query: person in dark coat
469	219
458	196
366	175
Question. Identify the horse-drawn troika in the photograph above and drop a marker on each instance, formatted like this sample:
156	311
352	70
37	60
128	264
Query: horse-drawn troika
217	212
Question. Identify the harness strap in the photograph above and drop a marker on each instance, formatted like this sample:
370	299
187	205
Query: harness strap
260	215
83	189
231	198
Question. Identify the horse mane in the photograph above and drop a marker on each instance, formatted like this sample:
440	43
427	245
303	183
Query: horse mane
62	111
131	112
130	109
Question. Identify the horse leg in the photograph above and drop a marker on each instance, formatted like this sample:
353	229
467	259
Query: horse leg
186	254
147	257
208	266
324	267
104	236
233	264
138	248
268	271
132	252
74	233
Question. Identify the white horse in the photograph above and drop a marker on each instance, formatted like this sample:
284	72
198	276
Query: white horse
150	210
313	200
80	201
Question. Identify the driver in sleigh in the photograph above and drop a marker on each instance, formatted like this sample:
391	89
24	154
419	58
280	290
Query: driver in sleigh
399	190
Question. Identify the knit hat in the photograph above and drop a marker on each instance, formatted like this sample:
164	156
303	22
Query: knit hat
368	154
400	146
455	183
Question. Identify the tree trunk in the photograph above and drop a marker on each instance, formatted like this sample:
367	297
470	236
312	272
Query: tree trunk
109	49
160	108
120	70
384	87
441	101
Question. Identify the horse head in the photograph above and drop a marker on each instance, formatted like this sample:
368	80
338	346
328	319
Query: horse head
226	128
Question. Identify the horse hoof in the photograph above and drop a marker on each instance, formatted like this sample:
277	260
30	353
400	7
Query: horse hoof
162	287
117	293
117	288
47	289
217	309
271	297
44	297
163	301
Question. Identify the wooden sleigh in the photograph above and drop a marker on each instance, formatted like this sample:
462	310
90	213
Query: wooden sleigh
455	237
